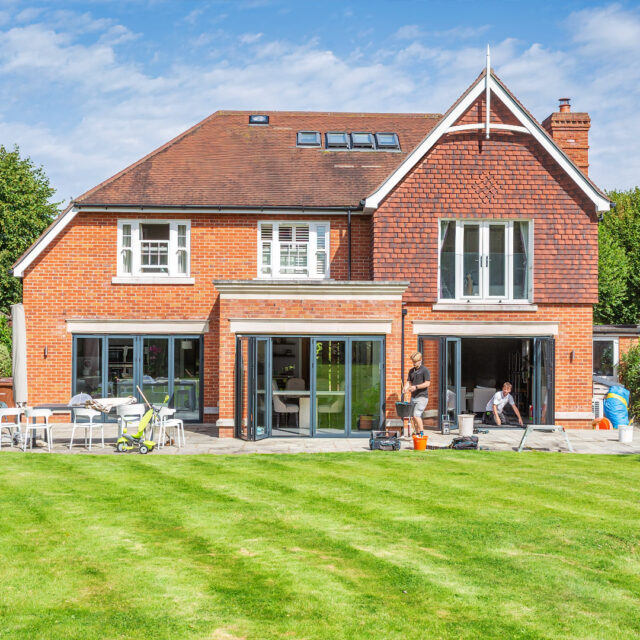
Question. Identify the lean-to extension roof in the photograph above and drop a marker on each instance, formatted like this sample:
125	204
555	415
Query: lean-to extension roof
225	161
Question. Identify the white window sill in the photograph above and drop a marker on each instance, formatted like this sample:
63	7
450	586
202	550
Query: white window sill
485	305
155	280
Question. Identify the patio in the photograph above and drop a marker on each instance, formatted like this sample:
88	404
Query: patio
203	439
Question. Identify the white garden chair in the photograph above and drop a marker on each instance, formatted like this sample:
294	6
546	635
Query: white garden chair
87	424
169	424
33	415
12	422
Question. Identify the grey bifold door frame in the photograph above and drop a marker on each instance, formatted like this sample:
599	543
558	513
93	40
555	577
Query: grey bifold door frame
253	384
448	370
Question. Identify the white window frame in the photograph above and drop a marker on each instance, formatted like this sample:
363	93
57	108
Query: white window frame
312	272
136	268
616	355
484	224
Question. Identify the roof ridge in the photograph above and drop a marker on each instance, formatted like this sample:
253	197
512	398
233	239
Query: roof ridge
407	114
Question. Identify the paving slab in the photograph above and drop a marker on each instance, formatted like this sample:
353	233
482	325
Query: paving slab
204	439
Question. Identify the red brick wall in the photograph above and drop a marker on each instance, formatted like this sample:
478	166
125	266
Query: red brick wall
508	176
72	280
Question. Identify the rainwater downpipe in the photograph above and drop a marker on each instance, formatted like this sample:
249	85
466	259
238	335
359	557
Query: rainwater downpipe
349	244
404	313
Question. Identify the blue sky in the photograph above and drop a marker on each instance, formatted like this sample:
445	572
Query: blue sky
88	87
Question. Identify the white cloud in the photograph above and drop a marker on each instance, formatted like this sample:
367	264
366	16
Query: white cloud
27	15
408	32
122	111
250	38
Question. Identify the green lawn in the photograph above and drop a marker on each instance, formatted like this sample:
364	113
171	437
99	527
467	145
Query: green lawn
447	544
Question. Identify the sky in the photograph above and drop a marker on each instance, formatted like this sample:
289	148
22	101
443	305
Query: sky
88	87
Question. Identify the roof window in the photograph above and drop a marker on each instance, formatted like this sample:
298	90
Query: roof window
337	140
258	118
308	139
387	141
362	140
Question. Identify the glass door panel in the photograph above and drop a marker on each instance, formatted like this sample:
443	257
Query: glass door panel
120	367
471	261
263	399
455	400
243	417
448	259
330	369
544	374
520	260
497	267
366	380
432	358
186	378
155	369
88	367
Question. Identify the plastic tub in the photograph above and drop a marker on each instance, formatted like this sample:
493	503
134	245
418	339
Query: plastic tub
420	443
625	433
465	424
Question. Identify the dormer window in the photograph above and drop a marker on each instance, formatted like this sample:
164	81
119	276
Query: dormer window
387	141
337	140
362	140
309	139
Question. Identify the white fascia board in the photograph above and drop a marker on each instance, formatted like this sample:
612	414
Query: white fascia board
373	201
541	136
313	326
44	241
109	325
486	328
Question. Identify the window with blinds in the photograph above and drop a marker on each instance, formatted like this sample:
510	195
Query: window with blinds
293	250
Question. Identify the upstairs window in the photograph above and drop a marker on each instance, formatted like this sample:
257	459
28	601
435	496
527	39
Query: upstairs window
293	250
308	139
488	260
153	248
337	140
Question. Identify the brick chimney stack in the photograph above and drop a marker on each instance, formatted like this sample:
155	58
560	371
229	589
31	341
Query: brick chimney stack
570	130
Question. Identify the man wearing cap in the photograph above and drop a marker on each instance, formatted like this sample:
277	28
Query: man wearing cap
418	382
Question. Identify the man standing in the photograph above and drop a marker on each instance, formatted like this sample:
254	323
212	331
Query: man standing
418	383
497	407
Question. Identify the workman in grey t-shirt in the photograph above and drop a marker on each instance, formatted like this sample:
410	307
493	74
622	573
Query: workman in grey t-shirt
418	382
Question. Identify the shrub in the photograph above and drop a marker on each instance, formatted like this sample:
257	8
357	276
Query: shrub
5	361
629	374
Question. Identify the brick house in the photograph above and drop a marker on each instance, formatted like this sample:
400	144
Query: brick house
272	271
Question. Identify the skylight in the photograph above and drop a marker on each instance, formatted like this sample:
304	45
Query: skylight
362	140
308	139
337	140
387	141
258	118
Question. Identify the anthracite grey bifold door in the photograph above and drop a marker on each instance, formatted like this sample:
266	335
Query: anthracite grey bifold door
253	393
544	381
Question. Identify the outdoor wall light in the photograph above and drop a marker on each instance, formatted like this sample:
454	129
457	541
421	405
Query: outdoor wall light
46	352
572	356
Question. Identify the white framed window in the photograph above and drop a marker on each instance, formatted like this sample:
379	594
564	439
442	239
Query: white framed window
485	260
293	249
154	248
606	358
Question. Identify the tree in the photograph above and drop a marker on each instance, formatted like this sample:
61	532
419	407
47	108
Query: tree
26	211
629	373
619	261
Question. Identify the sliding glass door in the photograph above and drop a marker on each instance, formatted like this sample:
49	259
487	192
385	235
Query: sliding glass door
329	386
253	399
116	366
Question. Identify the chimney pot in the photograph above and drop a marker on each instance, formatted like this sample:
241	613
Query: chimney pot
565	105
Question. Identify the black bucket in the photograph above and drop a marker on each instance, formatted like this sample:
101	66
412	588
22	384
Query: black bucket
403	409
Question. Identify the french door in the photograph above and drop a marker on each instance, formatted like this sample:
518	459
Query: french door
484	260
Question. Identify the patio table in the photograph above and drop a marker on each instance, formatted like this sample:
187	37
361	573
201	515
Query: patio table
544	428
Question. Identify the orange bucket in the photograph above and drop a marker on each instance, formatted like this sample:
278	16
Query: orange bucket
602	423
420	443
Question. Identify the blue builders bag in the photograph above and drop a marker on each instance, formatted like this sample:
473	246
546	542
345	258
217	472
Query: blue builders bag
616	406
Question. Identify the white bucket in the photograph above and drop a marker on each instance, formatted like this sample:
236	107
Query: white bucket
465	424
625	433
